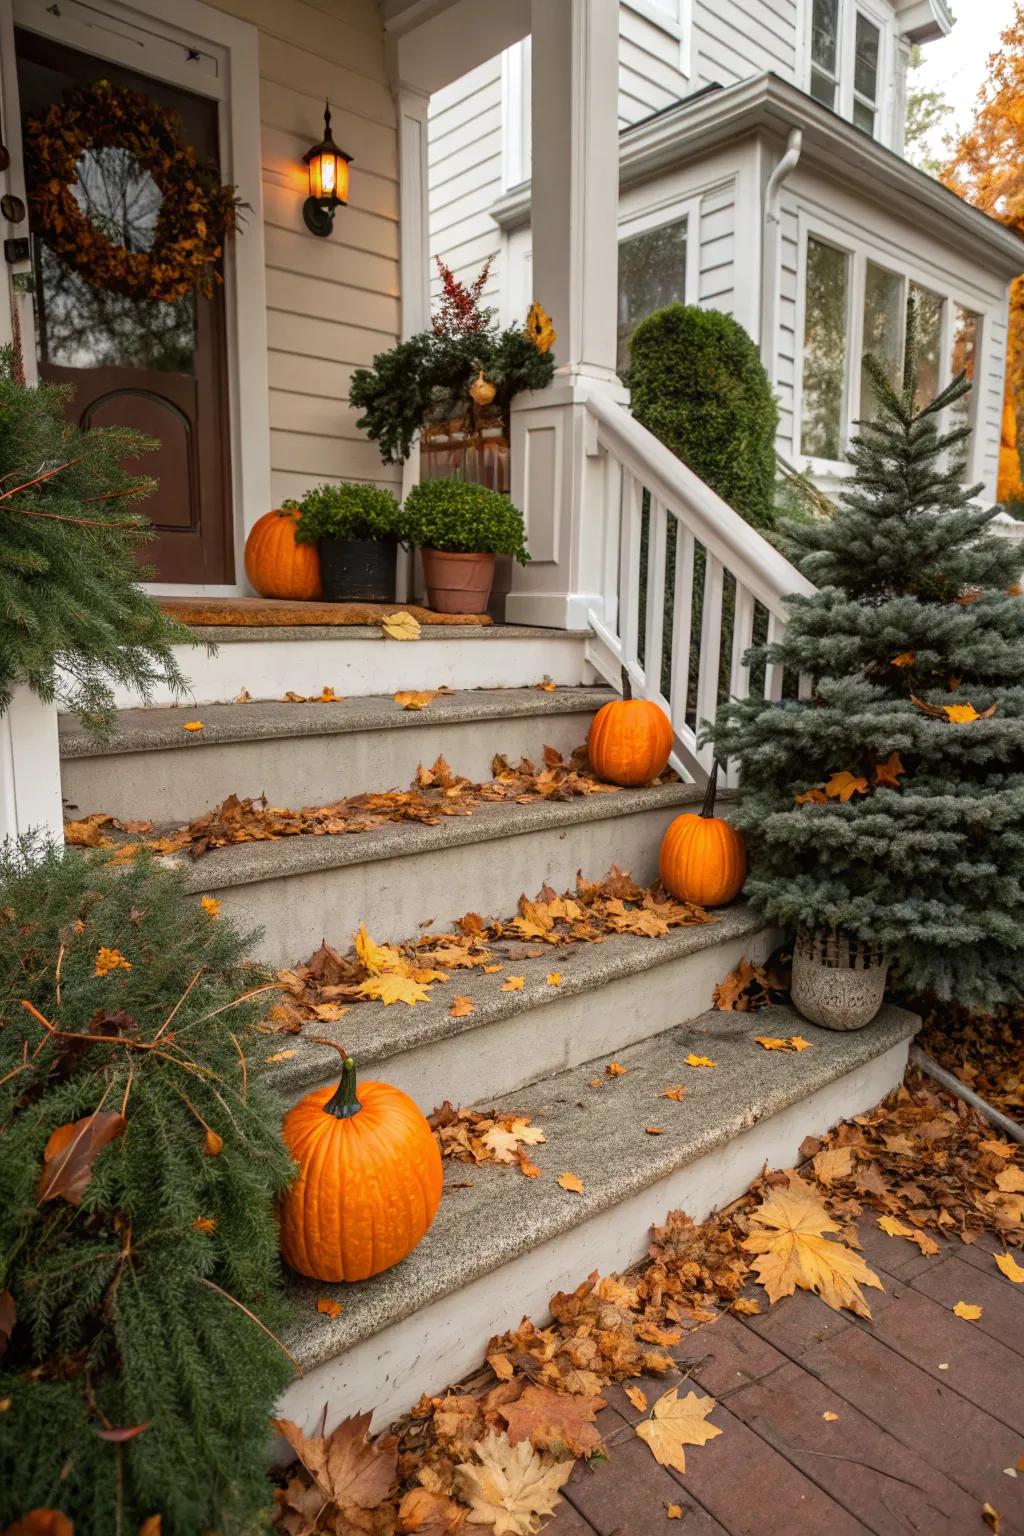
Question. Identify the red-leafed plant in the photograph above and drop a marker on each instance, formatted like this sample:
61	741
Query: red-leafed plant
459	313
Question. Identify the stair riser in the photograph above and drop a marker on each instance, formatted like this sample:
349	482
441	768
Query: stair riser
176	785
498	1058
357	668
443	1342
394	896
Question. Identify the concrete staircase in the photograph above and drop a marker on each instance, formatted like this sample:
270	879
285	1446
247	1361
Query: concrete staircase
501	1246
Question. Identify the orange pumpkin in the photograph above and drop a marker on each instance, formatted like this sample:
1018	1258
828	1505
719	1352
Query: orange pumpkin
275	565
369	1180
629	740
703	858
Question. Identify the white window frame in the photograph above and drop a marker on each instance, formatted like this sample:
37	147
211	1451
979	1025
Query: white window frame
881	17
141	35
860	251
675	19
670	210
516	113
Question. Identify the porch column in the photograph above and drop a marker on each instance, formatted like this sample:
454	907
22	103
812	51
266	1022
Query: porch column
30	768
557	477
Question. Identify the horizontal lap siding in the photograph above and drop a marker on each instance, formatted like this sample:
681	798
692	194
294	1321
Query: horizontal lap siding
733	39
650	77
718	249
331	303
989	407
465	175
788	345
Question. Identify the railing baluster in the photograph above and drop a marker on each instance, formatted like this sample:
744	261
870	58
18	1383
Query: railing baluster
655	615
611	487
772	671
710	649
742	637
629	568
682	625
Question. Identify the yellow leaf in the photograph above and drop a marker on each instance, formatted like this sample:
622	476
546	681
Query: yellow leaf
461	1008
328	1306
830	1418
676	1423
570	1182
769	1043
328	696
960	714
512	984
673	1511
813	796
1010	1180
400	626
904	659
555	979
294	698
793	1251
894	1228
379	959
677	1092
108	960
968	1311
410	700
842	785
213	1144
547	686
508	1488
394	989
192	725
491	970
799	1043
1009	1266
280	1056
211	905
637	1397
615	1069
205	1223
831	1164
991	1517
746	1306
699	1061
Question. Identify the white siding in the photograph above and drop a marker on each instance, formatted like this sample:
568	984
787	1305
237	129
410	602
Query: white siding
465	175
333	303
717	234
650	67
733	39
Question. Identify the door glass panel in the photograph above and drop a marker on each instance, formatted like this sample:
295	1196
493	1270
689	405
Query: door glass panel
824	51
965	356
883	331
652	273
824	363
929	339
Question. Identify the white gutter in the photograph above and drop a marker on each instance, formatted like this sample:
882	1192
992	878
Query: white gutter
771	231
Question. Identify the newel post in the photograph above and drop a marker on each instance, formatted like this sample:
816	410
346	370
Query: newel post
559	479
30	795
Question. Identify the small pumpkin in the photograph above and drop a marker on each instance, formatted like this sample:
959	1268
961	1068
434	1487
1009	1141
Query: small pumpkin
629	740
482	391
703	858
369	1179
275	564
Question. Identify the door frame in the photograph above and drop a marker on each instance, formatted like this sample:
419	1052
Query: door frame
228	52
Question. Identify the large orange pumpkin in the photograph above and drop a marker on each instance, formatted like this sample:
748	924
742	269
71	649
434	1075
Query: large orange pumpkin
277	566
369	1180
629	740
703	858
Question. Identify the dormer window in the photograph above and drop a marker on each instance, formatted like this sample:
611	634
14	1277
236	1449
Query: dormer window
846	61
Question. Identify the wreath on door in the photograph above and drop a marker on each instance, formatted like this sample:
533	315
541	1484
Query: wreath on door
195	210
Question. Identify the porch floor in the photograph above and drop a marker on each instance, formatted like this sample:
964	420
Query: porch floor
930	1411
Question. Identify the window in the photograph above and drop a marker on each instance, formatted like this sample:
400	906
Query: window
652	273
865	73
846	60
825	52
884	314
965	356
825	326
929	308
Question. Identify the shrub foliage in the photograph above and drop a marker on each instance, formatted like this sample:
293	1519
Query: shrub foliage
347	512
461	516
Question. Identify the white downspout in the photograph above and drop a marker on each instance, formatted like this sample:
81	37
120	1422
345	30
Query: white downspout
771	246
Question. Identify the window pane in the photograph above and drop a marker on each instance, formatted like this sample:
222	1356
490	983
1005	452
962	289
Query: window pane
825	34
965	356
929	338
865	59
863	117
652	273
824	373
823	88
883	331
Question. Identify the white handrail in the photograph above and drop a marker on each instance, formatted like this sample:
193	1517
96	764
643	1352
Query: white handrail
641	477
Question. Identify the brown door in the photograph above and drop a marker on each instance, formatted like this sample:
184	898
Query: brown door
159	367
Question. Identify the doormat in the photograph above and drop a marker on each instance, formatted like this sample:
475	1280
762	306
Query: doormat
272	613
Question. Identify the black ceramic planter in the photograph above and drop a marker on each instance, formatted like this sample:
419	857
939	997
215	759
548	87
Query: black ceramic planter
358	570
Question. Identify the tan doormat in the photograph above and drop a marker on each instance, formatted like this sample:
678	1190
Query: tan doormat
271	613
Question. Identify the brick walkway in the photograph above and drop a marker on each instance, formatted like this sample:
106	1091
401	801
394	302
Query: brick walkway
930	1410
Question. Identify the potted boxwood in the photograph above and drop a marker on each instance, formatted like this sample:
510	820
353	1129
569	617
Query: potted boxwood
460	527
357	529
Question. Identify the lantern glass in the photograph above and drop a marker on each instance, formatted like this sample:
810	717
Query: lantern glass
328	181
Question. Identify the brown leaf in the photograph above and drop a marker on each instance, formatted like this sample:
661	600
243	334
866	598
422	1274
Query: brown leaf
510	1487
8	1318
429	1514
554	1421
328	1306
461	1008
121	1436
841	786
70	1153
637	1397
87	833
677	1092
353	1471
887	773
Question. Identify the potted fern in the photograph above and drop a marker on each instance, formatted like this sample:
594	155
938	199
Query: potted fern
357	529
460	527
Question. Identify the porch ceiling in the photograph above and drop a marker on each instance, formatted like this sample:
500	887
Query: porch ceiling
434	42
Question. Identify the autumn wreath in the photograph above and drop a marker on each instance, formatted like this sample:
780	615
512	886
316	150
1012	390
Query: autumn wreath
195	213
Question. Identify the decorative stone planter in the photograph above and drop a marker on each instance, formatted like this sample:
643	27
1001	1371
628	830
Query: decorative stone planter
838	982
358	570
457	583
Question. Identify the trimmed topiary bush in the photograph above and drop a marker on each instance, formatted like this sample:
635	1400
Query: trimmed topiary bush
464	518
696	381
347	512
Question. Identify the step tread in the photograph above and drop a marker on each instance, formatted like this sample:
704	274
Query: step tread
247	863
599	1135
234	634
374	1033
161	729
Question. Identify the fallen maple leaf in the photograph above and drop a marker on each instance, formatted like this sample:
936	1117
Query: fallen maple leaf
793	1251
328	696
413	700
831	1164
968	1311
213	1145
1010	1180
830	1418
205	1224
553	1421
509	1487
570	1182
887	773
675	1423
698	1061
555	979
192	725
512	984
615	1069
547	686
400	626
108	960
842	785
353	1471
429	1514
637	1397
904	659
813	796
654	1130
892	1227
673	1511
461	1008
70	1153
677	1093
390	989
87	833
1009	1266
770	1043
746	1306
210	905
328	1306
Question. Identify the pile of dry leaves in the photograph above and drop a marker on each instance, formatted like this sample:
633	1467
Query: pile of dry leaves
319	990
986	1052
495	1451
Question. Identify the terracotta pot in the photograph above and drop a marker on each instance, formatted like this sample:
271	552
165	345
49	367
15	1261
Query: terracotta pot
457	583
838	982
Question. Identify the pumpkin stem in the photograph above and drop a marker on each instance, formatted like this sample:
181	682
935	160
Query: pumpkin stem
708	808
627	687
344	1104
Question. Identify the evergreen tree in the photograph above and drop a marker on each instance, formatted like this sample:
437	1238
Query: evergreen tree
73	618
890	801
137	1302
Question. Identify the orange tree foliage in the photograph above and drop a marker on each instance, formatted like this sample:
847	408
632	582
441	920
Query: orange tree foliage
987	169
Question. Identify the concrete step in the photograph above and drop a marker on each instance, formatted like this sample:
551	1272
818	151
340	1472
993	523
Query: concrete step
395	877
357	660
611	995
309	754
502	1246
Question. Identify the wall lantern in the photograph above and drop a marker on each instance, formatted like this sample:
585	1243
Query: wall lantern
328	180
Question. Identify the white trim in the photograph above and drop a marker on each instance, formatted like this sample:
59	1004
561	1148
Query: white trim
229	55
880	16
675	19
516	127
672	209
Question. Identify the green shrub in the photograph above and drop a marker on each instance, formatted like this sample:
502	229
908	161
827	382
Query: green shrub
347	512
460	516
131	1305
696	381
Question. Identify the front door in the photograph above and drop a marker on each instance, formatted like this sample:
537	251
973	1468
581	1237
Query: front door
156	366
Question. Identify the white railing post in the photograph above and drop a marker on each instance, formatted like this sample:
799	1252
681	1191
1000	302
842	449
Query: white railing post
30	768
